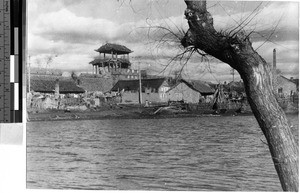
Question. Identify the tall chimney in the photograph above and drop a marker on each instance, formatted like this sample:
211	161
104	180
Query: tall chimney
274	59
56	91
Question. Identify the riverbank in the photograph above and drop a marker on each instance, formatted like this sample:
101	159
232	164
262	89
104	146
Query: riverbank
119	113
129	112
105	115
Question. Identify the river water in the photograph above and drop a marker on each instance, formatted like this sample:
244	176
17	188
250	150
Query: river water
203	154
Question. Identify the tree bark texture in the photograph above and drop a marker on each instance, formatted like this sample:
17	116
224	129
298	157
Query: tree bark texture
237	51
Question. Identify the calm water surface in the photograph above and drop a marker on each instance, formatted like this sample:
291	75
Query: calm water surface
204	154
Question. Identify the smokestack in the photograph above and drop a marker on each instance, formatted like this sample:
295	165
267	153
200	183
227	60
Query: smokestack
274	59
56	91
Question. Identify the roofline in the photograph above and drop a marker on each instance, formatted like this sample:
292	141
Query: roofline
118	54
114	44
133	80
192	87
60	92
287	79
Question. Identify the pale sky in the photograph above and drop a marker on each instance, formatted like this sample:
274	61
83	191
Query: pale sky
72	29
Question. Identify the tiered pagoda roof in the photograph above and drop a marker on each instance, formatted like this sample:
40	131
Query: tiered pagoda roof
109	48
124	63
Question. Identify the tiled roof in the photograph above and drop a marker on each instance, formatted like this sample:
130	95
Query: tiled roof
108	48
46	84
106	60
124	63
133	85
199	86
235	86
295	81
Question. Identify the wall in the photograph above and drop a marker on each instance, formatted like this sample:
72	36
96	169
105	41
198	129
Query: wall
133	97
149	95
130	97
163	95
183	92
286	85
124	74
42	103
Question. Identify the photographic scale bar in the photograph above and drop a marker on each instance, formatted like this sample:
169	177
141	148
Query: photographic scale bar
10	64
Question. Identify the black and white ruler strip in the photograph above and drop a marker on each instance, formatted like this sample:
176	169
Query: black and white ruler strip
11	53
17	48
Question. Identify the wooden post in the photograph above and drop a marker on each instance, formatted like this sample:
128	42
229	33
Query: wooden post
56	92
140	85
274	59
29	74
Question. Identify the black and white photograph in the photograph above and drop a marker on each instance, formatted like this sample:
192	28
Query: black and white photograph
162	95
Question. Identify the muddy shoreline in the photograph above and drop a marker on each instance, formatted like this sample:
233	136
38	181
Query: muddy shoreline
125	112
119	114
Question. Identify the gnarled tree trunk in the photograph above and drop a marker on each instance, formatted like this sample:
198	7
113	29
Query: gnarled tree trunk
237	51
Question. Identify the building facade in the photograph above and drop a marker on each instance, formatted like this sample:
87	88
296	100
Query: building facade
285	87
153	90
189	91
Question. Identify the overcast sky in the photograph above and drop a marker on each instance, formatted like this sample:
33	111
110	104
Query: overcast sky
70	31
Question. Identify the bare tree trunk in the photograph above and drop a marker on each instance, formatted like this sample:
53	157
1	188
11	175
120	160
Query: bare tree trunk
237	51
